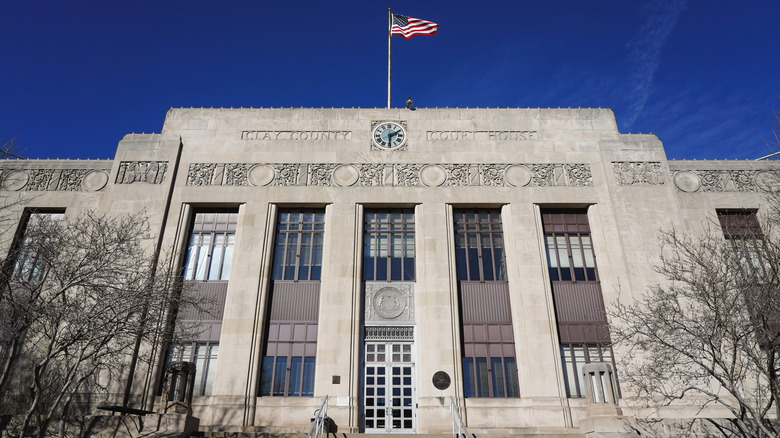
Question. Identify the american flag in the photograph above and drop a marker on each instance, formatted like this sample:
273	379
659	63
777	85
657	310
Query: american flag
408	27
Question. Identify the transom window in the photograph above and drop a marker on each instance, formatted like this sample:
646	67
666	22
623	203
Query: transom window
298	253
210	252
388	252
479	246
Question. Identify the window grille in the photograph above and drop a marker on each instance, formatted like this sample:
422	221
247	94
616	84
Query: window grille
574	356
569	248
388	252
389	333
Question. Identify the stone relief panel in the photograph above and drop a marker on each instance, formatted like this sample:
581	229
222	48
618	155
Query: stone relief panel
62	180
638	172
149	172
389	302
725	181
390	175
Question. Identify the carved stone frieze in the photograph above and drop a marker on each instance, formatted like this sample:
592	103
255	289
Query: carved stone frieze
236	174
201	174
321	174
638	173
492	175
553	175
62	180
390	175
371	175
286	174
149	172
407	175
70	180
721	181
457	174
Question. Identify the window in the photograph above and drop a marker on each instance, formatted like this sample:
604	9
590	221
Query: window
479	246
569	249
489	364
31	264
291	337
211	244
755	278
574	356
204	355
298	253
579	305
388	252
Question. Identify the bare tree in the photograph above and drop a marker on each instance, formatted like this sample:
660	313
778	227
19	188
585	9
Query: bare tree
710	334
75	296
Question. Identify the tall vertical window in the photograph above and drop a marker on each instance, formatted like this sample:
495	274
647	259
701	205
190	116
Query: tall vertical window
489	364
579	305
207	269
388	252
755	276
291	338
210	251
31	264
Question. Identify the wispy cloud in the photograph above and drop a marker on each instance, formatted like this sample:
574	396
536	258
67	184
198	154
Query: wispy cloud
645	50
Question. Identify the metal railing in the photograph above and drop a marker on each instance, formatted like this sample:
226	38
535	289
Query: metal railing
458	426
319	422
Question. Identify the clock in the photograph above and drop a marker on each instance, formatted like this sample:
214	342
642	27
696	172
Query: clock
389	135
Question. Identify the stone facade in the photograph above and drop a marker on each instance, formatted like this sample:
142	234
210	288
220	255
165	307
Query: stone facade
518	162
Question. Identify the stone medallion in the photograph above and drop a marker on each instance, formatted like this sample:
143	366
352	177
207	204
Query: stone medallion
346	175
433	175
687	181
441	380
94	180
389	303
261	175
15	180
518	175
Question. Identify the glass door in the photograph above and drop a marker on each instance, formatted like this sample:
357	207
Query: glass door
389	391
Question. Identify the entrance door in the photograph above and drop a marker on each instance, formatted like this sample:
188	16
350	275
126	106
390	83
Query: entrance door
389	392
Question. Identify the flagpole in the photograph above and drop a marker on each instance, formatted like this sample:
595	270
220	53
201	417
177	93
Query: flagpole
389	35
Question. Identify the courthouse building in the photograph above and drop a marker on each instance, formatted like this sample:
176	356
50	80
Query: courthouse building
395	260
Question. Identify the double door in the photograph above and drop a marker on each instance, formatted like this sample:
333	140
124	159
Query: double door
389	400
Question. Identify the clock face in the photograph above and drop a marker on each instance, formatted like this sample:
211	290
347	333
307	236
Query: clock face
389	135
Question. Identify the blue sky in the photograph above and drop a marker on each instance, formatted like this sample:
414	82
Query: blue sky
702	75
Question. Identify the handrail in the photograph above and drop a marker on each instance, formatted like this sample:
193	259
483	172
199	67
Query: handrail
319	425
458	426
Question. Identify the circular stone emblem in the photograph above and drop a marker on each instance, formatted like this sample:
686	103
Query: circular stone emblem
441	380
346	175
687	181
15	180
389	303
261	175
518	175
433	175
94	181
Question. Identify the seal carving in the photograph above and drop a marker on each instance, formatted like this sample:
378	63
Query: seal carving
389	302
